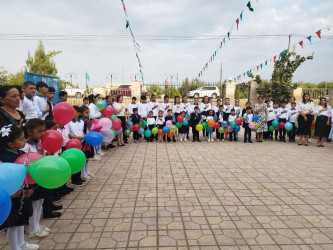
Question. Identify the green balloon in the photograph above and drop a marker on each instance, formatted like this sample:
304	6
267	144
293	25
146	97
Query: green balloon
204	125
114	133
113	117
127	132
221	130
75	158
271	128
179	124
275	123
210	130
50	171
296	124
100	105
143	124
154	131
148	133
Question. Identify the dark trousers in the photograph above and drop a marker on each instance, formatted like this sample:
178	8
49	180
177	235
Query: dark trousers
247	133
136	136
150	127
268	134
76	177
195	134
282	131
292	134
219	136
232	135
48	199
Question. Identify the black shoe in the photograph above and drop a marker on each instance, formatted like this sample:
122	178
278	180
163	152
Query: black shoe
250	142
78	183
199	140
82	180
65	192
56	207
51	215
193	140
174	140
276	139
57	199
245	141
280	140
126	142
104	147
69	189
284	140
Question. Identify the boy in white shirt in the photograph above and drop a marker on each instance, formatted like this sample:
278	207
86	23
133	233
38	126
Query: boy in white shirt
132	105
227	107
232	118
41	100
154	106
238	108
143	108
160	124
28	104
293	113
275	111
283	114
151	122
247	118
270	118
165	106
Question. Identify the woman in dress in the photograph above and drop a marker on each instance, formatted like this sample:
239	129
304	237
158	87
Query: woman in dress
261	111
323	113
305	109
121	113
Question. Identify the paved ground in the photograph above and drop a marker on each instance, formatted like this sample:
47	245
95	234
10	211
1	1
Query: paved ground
201	196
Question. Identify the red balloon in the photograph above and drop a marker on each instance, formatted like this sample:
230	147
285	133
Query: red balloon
116	124
108	112
63	113
313	125
277	128
74	143
281	125
52	141
180	118
217	125
132	129
226	133
238	121
136	127
25	159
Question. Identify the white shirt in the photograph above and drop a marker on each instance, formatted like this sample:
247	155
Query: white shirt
41	103
232	118
118	106
94	113
202	107
271	114
221	113
293	113
29	107
65	133
151	121
185	107
193	106
32	146
304	108
216	109
227	108
131	106
289	105
176	109
143	109
283	115
160	121
208	118
327	112
247	117
238	110
164	107
76	128
151	108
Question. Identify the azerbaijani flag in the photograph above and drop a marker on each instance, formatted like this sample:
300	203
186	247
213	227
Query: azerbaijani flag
87	76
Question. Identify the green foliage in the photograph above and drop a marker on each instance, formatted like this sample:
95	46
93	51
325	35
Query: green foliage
283	73
172	92
188	86
11	79
265	86
62	84
242	91
154	89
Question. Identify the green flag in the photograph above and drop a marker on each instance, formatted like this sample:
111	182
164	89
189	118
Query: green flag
127	24
249	5
229	35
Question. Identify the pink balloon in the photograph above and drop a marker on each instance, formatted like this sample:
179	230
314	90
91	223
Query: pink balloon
116	124
25	159
180	118
108	112
238	121
63	113
168	123
229	130
105	123
252	125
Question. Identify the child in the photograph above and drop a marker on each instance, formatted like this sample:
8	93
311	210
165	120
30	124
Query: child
34	131
28	105
41	101
247	118
11	141
232	118
150	124
209	117
132	105
238	108
85	102
176	112
167	118
248	104
270	118
165	106
63	96
184	129
143	108
49	96
283	114
227	109
135	119
194	121
220	115
276	117
160	124
293	113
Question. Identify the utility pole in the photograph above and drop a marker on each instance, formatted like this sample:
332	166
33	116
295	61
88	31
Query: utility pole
289	43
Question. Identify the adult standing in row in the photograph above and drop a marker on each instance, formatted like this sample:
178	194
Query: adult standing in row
323	113
121	113
305	118
261	111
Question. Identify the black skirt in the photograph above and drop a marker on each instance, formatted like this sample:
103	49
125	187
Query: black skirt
322	130
39	192
304	127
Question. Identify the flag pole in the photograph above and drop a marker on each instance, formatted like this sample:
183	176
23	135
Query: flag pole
87	89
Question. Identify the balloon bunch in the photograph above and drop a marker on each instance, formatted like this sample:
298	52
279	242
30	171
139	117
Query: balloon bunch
274	126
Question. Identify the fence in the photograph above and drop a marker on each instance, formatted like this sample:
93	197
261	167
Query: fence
316	93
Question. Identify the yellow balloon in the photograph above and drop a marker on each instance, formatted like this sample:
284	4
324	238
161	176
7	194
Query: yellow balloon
173	128
256	125
199	127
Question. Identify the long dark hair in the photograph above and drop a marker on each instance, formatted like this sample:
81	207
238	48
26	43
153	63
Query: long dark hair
304	97
92	97
31	124
176	98
323	98
15	133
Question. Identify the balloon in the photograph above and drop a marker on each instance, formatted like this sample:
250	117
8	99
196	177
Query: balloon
255	118
148	133
154	131
199	127
105	123
74	143
105	103
271	128
173	128
217	125
63	113
160	132
221	130
127	132
226	133
211	123
296	124
27	158
166	129
170	134
232	124
93	138
210	130
52	141
50	171
129	125
179	124
113	117
12	176
168	123
256	125
108	112
141	131
136	127
180	118
237	129
313	125
100	105
132	130
229	129
5	205
204	125
143	124
224	124
275	123
75	158
252	125
288	126
119	131
108	136
277	128
281	125
185	123
114	132
238	121
116	124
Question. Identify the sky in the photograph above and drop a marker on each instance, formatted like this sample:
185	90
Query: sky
169	19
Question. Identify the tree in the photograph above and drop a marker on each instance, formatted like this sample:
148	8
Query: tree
172	92
284	69
154	89
265	87
42	62
11	79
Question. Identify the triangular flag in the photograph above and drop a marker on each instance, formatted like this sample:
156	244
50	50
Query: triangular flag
249	5
261	65
281	54
237	21
224	40
319	33
229	35
241	15
309	38
127	24
215	53
274	58
265	62
221	45
258	68
286	52
301	43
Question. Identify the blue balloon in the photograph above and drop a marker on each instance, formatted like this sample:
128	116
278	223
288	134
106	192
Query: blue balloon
255	118
288	126
93	138
141	131
5	205
237	129
129	125
12	176
224	124
209	130
166	130
106	104
119	131
185	123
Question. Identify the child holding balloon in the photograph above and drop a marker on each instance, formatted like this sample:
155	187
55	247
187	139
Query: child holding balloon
151	122
11	142
194	121
169	117
232	118
160	124
283	114
135	118
210	130
247	118
183	130
219	116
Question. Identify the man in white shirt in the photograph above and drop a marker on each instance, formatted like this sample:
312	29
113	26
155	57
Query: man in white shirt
154	106
41	101
132	105
28	104
143	107
165	106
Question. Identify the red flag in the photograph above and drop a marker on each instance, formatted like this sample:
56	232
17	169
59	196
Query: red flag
319	33
237	21
244	74
221	45
301	43
234	79
258	68
274	58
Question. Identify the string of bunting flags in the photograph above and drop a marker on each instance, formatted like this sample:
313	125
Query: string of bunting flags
308	40
135	43
225	38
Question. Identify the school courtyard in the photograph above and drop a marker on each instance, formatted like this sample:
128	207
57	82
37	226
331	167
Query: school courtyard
208	195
